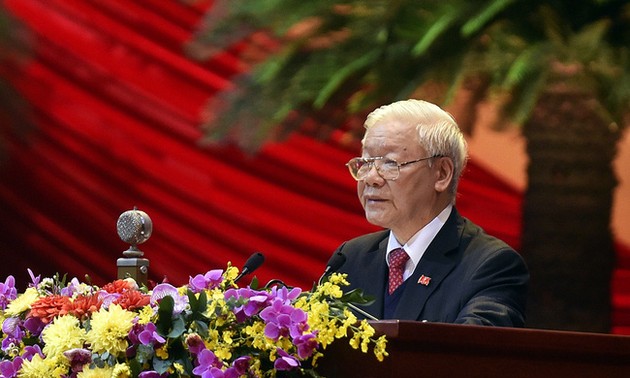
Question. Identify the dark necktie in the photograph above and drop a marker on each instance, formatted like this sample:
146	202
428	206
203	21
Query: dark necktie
397	260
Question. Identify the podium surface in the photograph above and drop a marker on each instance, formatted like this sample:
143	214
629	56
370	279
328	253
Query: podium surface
448	350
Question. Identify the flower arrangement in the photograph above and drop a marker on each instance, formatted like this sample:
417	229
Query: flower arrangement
207	328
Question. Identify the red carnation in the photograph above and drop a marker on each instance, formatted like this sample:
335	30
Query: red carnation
47	308
118	286
133	299
82	306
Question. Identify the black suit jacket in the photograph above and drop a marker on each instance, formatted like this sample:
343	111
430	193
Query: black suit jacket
474	278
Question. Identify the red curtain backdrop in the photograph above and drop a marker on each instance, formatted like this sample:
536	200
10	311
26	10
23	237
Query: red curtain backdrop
117	107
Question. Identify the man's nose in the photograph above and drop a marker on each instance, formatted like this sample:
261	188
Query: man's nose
373	176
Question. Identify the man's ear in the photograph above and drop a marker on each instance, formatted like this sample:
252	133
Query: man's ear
444	169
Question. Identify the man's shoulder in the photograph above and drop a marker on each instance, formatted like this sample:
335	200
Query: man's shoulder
477	236
367	241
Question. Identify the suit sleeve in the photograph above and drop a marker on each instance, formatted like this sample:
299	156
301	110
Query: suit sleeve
496	291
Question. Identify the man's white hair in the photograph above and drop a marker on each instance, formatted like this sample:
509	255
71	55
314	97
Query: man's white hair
438	132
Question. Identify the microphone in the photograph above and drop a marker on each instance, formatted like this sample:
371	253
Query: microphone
335	262
253	262
134	227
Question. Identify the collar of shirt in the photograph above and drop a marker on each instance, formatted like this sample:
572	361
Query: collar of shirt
418	244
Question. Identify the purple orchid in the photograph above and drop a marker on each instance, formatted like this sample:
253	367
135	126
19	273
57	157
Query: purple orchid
208	365
78	357
10	369
34	326
34	280
306	345
108	298
240	366
284	294
195	344
145	334
285	361
231	372
163	290
31	351
249	301
152	374
210	280
72	288
150	336
8	292
283	320
12	329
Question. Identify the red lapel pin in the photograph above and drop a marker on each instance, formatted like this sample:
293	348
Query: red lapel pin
424	280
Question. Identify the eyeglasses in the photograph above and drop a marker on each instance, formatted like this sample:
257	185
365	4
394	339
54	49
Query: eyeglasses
388	169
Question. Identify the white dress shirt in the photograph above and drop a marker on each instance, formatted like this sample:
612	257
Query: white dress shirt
418	243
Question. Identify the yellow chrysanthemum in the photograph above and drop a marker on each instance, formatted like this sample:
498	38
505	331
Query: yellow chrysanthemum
121	371
96	372
62	334
145	315
23	302
39	367
109	330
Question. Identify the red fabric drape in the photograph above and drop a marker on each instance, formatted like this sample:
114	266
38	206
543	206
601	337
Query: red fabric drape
117	107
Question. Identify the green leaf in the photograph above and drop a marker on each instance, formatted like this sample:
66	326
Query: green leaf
165	315
528	97
135	367
178	328
202	328
434	31
337	79
528	62
589	41
254	284
356	296
486	15
161	366
193	302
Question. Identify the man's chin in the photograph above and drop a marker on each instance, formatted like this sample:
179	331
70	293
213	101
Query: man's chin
377	221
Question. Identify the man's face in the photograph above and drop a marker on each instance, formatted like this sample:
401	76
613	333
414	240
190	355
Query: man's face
406	204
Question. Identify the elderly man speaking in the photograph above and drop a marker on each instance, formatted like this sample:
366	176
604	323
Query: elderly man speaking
430	263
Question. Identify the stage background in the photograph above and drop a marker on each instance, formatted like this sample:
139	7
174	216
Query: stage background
117	105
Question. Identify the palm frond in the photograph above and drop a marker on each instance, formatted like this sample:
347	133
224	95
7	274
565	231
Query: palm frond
487	13
353	55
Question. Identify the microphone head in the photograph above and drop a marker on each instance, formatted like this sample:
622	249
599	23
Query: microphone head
335	262
253	262
134	227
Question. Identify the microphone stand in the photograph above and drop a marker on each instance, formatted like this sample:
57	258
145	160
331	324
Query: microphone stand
357	309
350	305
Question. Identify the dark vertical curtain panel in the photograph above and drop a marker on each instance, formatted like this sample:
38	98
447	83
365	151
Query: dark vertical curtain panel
117	106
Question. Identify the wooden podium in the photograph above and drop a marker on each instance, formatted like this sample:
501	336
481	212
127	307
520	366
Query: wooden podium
448	350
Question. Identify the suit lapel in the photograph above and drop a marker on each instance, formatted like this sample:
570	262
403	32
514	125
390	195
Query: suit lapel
375	272
435	265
